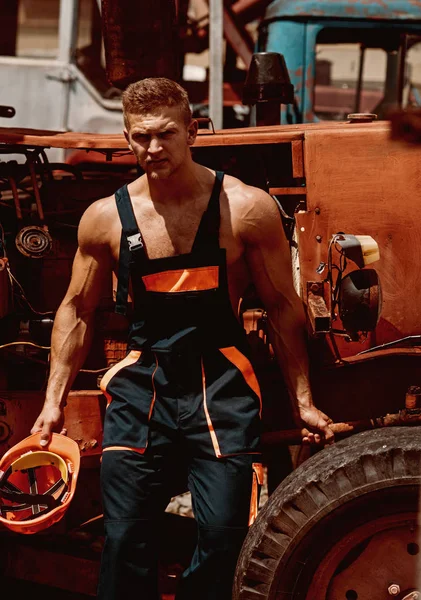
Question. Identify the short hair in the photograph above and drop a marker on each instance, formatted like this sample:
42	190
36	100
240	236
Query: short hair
148	94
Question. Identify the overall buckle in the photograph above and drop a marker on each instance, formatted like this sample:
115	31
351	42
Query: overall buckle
135	241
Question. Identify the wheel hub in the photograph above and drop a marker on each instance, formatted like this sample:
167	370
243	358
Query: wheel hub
375	561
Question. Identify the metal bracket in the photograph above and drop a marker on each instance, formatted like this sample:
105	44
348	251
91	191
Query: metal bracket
317	309
208	121
65	75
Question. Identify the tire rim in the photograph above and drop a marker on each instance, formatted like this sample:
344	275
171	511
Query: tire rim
377	560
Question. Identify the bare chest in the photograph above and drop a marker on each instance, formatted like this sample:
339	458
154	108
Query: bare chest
173	233
168	234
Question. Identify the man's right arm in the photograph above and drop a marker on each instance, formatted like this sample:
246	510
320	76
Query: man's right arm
74	322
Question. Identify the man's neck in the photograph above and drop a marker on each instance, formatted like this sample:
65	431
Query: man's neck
183	186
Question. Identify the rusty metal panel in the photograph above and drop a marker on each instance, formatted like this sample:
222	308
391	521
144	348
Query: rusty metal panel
404	10
60	570
318	309
83	418
366	184
140	40
363	389
84	415
297	159
18	411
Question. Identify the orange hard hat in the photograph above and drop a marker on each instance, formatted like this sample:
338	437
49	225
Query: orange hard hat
37	482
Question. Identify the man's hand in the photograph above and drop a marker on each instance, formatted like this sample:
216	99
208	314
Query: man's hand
50	419
317	426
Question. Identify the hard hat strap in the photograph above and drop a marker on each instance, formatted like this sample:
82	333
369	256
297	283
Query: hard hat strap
12	493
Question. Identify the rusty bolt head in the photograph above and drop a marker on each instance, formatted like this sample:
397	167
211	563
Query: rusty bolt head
317	211
318	238
394	589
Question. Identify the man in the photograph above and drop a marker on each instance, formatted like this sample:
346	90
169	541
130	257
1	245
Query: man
190	241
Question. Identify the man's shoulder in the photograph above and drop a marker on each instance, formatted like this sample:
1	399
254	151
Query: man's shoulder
242	197
99	222
104	209
253	213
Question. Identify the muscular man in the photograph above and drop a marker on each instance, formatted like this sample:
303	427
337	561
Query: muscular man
190	241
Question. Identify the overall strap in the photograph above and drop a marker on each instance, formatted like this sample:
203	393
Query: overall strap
207	236
131	242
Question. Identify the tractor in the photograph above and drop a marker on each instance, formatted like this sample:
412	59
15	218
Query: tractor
339	522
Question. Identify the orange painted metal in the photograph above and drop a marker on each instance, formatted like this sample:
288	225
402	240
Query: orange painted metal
83	417
359	180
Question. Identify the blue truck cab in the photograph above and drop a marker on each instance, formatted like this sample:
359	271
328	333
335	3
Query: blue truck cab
383	34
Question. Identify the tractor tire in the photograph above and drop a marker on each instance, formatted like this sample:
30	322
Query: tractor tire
342	526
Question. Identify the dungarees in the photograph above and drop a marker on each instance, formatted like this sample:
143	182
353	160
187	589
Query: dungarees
186	391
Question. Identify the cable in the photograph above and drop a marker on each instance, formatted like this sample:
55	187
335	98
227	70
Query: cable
335	286
24	344
409	338
94	371
14	282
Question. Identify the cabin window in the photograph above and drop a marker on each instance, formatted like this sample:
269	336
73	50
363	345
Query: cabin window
349	78
358	70
29	28
89	54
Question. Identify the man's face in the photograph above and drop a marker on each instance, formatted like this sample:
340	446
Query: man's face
160	140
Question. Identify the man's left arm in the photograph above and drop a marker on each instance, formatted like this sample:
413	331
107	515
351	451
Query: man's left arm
269	261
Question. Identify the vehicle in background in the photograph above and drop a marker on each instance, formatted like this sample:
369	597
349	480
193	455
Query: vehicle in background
341	59
50	56
346	57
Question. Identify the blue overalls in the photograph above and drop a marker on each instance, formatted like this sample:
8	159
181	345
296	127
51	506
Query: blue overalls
186	391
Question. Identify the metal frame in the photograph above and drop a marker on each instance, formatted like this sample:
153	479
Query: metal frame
216	66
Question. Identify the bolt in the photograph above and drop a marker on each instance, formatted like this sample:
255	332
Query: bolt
318	238
394	589
317	211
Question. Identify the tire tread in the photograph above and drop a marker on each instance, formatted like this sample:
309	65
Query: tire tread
369	460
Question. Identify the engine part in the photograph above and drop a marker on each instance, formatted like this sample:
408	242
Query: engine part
268	80
360	301
33	241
